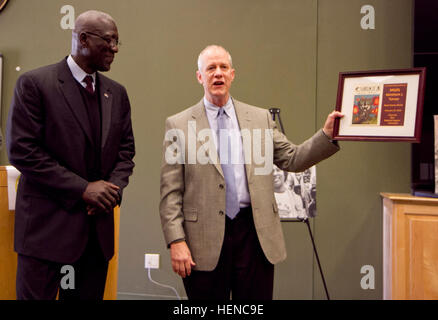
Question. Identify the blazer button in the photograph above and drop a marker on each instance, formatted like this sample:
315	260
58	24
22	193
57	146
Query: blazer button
221	213
221	186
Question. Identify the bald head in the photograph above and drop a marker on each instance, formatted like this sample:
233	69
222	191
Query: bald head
92	20
95	41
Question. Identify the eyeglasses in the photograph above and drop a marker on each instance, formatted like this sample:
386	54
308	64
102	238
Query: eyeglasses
111	41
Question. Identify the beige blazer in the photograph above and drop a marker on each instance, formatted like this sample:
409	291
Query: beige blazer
192	194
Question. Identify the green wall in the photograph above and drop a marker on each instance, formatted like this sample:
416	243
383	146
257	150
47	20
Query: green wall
349	228
287	54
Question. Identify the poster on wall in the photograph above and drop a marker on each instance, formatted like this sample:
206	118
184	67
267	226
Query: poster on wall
295	193
382	105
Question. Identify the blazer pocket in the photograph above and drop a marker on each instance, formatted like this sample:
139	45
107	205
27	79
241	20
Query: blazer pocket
190	214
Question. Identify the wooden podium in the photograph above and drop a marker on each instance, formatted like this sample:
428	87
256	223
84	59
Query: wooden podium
8	257
410	247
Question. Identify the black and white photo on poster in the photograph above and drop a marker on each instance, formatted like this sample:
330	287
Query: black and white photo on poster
295	193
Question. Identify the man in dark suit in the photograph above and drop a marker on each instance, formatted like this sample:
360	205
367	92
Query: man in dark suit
69	133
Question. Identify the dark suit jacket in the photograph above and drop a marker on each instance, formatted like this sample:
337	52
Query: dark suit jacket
48	138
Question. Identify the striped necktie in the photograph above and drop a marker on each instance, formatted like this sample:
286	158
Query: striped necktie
89	82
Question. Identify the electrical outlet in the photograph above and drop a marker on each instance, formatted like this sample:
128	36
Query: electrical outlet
152	261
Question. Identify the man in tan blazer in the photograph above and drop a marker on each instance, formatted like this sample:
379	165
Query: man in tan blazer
218	213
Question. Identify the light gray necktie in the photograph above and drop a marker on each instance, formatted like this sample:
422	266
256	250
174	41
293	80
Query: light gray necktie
224	144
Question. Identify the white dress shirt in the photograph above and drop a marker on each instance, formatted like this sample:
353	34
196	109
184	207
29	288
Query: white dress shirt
80	74
238	159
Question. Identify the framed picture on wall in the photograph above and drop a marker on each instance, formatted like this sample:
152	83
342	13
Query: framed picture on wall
381	105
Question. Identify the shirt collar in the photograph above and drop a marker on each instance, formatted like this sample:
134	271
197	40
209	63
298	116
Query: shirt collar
213	109
77	71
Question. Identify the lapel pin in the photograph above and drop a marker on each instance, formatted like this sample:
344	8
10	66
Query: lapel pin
105	95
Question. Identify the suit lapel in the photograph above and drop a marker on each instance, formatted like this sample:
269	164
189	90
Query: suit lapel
200	116
73	97
106	101
244	120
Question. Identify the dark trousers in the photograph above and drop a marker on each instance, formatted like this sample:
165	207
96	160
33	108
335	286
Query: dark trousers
39	279
242	273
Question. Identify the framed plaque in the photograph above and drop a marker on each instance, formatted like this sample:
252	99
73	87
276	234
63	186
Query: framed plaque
381	105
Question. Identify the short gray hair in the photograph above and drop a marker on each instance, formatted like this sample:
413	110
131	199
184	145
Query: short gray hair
211	47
